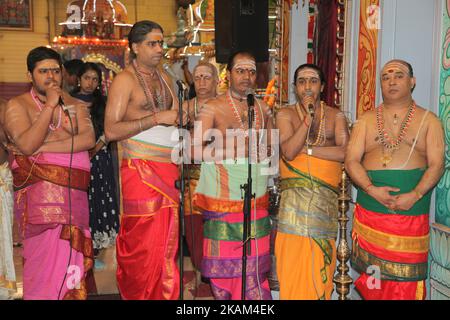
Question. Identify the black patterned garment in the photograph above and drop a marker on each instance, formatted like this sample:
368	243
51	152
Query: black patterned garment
103	204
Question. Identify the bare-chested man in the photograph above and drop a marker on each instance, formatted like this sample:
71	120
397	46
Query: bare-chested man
205	80
141	112
395	157
7	272
218	193
49	160
313	138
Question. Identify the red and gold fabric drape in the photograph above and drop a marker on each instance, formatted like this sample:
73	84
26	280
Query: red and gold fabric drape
326	46
367	58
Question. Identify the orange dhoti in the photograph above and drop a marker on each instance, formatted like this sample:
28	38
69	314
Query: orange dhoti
307	228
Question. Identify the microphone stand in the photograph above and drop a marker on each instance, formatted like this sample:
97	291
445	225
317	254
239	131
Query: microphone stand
179	184
247	188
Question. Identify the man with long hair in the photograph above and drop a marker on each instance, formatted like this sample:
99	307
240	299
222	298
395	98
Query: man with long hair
141	113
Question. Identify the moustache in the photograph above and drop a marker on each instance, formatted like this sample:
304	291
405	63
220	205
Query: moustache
50	82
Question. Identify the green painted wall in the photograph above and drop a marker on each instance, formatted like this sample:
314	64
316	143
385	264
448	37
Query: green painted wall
443	188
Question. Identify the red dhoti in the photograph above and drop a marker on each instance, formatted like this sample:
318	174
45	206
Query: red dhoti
147	243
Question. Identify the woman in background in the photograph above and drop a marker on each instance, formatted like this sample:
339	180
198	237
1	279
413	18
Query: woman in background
103	204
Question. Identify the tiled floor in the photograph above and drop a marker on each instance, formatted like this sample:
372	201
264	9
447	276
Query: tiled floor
105	278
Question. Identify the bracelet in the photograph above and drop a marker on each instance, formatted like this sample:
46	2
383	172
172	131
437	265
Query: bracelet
140	125
366	189
419	195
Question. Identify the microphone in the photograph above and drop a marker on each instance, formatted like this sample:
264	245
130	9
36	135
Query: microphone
250	93
311	110
310	105
172	74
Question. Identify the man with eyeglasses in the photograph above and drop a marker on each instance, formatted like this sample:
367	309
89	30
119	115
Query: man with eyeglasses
142	113
224	121
50	160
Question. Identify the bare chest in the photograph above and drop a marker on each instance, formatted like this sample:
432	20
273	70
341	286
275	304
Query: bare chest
238	119
321	130
397	137
60	125
151	94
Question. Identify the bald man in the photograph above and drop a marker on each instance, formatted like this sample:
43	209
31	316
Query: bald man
205	78
395	157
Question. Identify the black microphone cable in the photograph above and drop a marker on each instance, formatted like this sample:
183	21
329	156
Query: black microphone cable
70	193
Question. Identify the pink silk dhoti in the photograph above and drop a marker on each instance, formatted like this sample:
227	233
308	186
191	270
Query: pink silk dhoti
57	242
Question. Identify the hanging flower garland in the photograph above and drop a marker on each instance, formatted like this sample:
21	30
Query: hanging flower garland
223	81
270	93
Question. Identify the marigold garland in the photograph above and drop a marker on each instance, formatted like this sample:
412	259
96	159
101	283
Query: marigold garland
270	93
